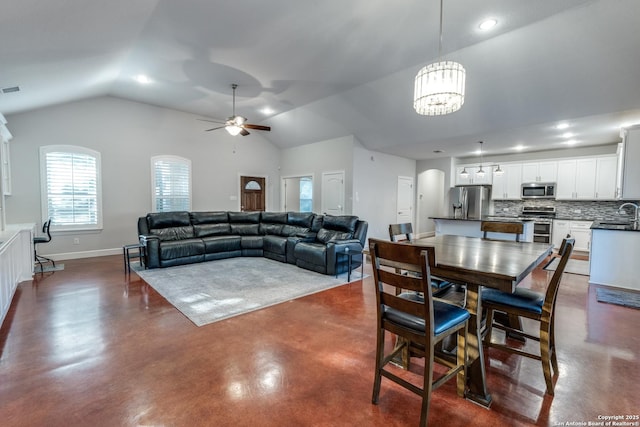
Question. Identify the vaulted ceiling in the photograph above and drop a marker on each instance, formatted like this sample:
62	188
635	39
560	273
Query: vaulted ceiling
319	70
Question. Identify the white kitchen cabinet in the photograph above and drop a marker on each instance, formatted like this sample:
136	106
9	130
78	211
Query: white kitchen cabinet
579	230
508	185
472	177
606	172
540	171
630	172
589	178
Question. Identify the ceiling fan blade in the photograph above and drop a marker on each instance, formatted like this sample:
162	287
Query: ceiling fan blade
244	132
256	127
219	127
211	121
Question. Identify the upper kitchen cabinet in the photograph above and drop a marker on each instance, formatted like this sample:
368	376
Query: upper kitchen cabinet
546	171
472	177
508	185
591	178
629	175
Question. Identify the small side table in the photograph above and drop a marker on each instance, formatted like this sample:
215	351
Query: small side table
136	250
350	254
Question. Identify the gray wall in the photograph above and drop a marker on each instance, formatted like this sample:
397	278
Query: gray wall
128	134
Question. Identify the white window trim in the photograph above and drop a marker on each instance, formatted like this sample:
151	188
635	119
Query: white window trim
179	159
44	197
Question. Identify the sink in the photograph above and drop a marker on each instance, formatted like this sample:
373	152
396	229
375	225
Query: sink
625	223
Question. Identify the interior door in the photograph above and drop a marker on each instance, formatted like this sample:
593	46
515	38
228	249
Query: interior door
333	193
404	202
252	194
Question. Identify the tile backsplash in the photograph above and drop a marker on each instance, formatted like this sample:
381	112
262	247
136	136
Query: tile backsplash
588	210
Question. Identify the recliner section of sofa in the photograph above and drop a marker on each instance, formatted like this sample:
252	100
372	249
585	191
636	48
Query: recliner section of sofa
304	239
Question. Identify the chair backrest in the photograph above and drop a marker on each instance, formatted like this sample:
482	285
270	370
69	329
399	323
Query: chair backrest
502	227
386	258
399	232
552	288
45	229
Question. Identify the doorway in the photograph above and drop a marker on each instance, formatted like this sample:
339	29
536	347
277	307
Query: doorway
404	201
297	193
252	194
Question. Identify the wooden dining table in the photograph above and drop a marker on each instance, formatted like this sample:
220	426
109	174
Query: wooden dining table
480	262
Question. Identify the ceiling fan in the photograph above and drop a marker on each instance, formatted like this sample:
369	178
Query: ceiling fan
236	124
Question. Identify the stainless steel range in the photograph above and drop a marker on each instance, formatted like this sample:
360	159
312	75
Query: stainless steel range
542	221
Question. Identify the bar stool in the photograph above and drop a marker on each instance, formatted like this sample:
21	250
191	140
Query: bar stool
136	250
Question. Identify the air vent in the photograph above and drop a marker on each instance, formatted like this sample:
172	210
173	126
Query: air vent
11	89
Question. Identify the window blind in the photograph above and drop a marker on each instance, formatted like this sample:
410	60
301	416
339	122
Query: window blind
172	185
72	188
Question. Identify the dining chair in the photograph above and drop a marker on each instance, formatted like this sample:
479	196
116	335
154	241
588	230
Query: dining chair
516	228
42	239
404	233
420	321
531	305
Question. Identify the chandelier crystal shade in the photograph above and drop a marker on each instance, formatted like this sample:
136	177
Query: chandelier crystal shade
439	87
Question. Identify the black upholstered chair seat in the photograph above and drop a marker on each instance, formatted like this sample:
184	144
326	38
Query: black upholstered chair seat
524	299
445	316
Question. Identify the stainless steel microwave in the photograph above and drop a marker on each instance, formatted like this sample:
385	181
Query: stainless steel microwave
539	190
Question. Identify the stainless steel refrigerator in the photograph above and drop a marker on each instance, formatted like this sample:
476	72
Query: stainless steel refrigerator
469	201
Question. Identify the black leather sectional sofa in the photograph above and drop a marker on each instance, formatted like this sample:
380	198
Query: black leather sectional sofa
305	239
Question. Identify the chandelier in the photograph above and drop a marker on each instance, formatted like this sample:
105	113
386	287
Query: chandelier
439	87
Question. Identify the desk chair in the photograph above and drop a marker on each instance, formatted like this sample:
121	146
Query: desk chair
516	228
42	239
422	323
531	305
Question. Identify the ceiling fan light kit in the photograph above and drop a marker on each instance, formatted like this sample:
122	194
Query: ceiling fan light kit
237	125
439	87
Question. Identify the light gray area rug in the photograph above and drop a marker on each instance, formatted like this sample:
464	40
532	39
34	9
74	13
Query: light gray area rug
618	297
574	266
211	291
47	268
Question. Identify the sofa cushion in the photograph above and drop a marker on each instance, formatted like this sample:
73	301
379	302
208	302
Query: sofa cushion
275	244
245	229
173	233
301	219
206	230
245	217
209	217
251	242
312	253
271	228
345	223
273	217
182	248
215	244
293	230
325	235
168	219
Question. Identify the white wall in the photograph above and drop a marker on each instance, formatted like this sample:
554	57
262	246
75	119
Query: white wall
375	187
323	156
128	134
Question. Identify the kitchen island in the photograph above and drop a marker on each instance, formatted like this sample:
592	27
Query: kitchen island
470	227
614	254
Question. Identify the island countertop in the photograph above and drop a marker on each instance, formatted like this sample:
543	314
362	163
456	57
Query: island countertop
485	218
615	225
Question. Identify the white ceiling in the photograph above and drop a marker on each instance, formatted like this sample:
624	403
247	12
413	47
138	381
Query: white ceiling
331	68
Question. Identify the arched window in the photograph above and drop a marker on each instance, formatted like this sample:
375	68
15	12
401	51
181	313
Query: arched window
253	185
71	187
170	183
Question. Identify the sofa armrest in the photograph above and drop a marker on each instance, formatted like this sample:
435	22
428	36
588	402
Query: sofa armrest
151	245
339	246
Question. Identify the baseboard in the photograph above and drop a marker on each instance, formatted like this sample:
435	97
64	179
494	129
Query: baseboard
84	254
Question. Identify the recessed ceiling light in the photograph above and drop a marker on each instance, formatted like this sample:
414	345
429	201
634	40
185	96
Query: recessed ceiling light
438	151
562	125
568	135
142	79
572	142
519	147
267	110
488	24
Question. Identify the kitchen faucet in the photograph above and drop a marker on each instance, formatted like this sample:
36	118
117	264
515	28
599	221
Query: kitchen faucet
635	206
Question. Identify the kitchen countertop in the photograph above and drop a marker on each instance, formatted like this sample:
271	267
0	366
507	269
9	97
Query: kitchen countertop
614	225
486	218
